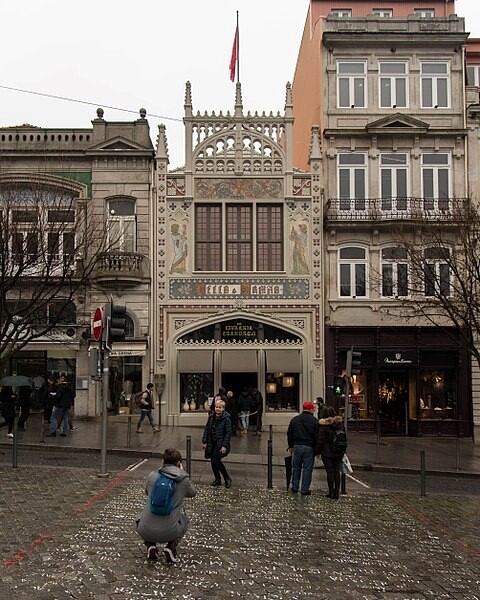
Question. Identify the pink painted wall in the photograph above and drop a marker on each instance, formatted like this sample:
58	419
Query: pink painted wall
401	8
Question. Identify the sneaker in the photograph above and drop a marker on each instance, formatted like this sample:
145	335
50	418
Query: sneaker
152	553
139	431
294	491
156	430
73	428
170	556
309	493
10	435
216	483
173	547
228	483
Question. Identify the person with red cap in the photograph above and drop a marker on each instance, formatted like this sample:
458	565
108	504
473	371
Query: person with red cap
302	435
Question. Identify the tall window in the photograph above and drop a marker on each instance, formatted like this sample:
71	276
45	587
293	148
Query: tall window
269	237
25	236
394	272
122	227
352	272
394	181
343	13
436	181
437	272
208	237
383	13
351	84
393	84
253	237
424	13
473	75
352	180
435	78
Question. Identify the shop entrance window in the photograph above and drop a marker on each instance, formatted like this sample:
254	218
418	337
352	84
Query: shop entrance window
437	397
393	401
196	391
125	382
282	392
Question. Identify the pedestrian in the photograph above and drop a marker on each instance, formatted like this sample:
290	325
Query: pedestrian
167	528
63	403
319	404
232	410
330	447
7	407
245	406
25	402
302	438
258	408
216	442
48	394
146	407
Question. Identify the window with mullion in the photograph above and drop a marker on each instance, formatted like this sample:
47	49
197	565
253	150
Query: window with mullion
269	237
436	181
239	237
393	85
208	237
435	89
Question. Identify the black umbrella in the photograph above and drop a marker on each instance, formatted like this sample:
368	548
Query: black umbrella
288	469
15	381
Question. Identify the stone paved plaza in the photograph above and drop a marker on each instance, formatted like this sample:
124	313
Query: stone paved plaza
67	534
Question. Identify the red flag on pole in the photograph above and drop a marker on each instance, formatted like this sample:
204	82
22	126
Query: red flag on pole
234	57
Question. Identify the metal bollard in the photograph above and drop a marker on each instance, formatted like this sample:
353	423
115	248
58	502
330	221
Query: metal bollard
270	432
423	474
15	443
42	429
189	454
343	484
457	454
129	431
270	464
377	453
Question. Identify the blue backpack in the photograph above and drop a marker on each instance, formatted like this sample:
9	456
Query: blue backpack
161	497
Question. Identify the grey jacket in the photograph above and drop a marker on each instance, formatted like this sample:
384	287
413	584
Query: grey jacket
165	528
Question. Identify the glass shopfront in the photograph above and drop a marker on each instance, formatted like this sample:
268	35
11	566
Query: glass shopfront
125	381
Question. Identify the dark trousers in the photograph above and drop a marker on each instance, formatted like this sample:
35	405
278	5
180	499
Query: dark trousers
24	414
332	467
9	420
217	466
259	421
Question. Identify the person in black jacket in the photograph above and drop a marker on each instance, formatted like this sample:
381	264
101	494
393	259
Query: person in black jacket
7	406
330	422
302	438
63	402
216	442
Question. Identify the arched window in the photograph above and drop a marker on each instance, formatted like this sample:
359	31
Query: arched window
352	272
122	226
394	272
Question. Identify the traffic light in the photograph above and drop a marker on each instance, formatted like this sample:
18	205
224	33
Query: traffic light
354	362
115	323
338	386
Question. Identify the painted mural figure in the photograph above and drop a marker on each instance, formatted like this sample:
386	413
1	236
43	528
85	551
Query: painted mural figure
299	238
180	248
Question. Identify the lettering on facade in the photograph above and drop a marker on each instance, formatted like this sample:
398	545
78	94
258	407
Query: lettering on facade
395	359
262	288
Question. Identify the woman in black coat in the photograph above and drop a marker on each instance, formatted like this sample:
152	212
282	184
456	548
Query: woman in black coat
7	405
216	442
330	423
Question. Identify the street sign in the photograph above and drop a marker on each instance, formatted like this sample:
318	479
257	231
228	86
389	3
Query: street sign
97	324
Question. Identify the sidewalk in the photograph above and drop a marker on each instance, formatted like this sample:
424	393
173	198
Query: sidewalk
443	455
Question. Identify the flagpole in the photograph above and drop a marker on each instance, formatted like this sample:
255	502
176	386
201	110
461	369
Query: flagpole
238	51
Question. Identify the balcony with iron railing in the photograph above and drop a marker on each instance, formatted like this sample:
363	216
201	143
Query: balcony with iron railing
126	268
394	210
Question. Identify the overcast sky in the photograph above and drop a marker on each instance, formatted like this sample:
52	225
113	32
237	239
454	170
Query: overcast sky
140	54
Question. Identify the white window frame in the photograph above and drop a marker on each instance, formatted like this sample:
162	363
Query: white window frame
123	221
476	75
437	263
355	202
435	77
351	77
393	77
352	263
424	13
341	13
383	13
394	263
398	202
436	204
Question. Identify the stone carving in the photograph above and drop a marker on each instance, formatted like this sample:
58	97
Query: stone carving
259	289
299	239
176	186
239	188
180	248
302	186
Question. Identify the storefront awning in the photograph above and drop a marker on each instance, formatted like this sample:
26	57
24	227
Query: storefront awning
284	361
239	361
194	361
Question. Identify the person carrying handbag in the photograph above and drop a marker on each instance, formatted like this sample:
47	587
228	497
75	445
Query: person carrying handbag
216	442
332	444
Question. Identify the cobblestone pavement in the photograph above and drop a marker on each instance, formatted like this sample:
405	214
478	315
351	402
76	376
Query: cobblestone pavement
66	533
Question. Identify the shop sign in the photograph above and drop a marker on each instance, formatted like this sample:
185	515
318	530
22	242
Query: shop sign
393	358
127	353
239	330
265	288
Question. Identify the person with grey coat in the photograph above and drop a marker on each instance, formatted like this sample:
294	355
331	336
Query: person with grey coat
170	528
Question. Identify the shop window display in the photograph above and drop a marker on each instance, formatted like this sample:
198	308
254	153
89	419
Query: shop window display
437	399
282	392
196	391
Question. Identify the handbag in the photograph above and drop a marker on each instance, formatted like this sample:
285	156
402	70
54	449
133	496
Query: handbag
346	465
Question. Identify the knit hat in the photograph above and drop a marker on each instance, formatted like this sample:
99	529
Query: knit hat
308	406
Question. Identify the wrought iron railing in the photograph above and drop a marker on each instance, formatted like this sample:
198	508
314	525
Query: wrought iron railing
397	209
121	263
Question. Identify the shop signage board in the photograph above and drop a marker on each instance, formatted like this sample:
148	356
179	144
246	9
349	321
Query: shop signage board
397	358
97	324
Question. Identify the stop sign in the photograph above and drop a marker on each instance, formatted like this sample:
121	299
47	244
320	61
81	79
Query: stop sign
97	324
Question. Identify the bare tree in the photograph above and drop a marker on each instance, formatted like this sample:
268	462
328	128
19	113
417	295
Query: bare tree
441	284
48	250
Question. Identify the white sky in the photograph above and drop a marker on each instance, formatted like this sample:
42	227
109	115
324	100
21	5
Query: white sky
140	54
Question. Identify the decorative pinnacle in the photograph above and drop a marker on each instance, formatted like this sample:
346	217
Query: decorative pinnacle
162	145
143	113
315	150
238	94
100	113
288	96
188	94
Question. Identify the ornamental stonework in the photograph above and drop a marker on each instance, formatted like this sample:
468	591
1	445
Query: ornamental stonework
239	188
259	289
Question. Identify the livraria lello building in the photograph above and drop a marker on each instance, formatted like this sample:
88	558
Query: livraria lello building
275	248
